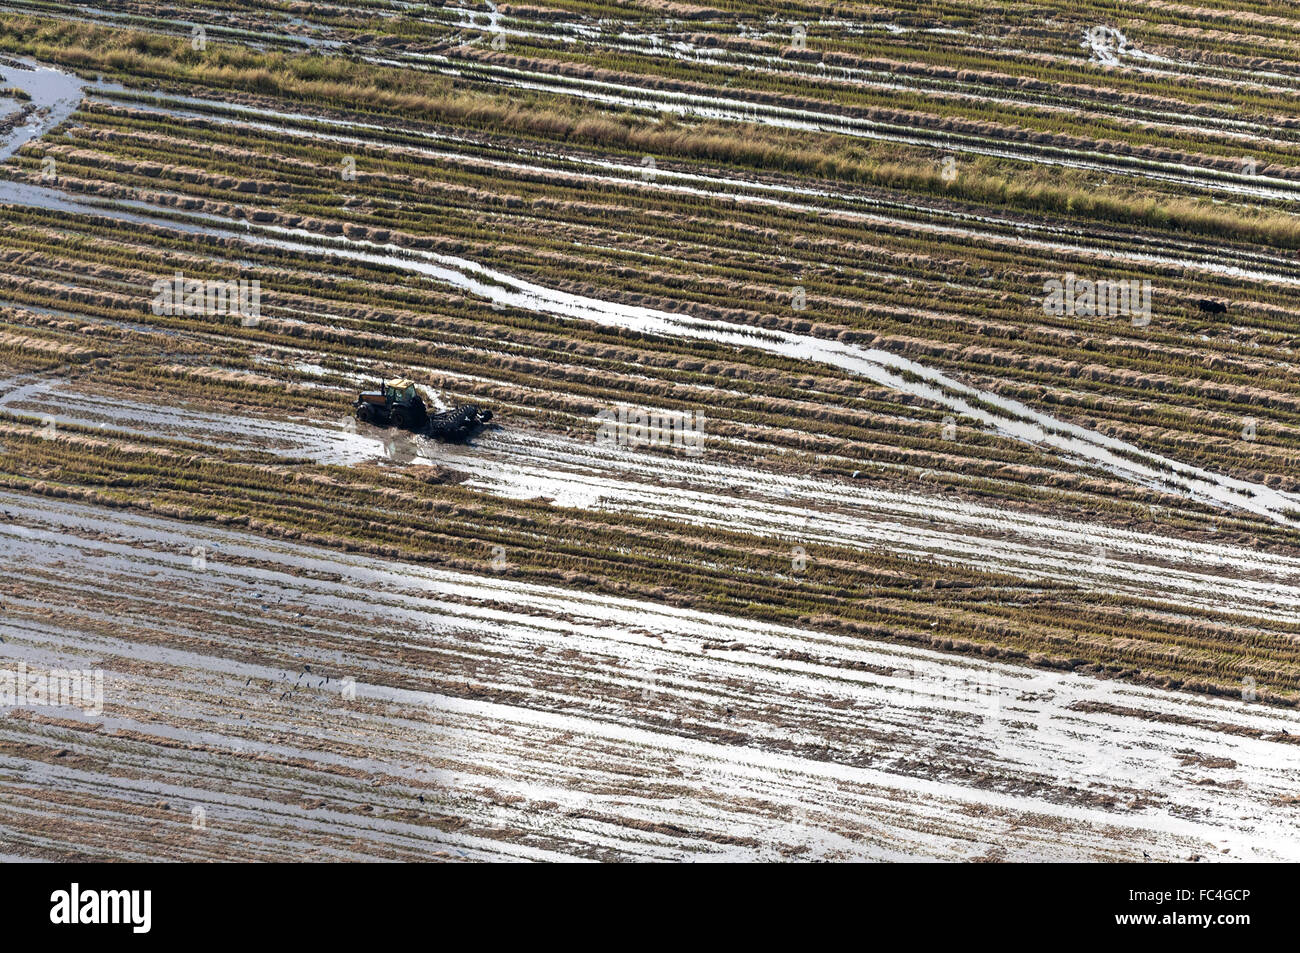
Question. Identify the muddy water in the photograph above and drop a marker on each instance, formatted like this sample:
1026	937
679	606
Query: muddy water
54	402
1006	416
55	95
997	231
730	110
802	509
855	742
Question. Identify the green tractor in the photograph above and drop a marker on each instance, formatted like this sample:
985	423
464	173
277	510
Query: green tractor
396	404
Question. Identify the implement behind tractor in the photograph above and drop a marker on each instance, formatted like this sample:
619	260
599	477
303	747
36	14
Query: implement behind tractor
396	404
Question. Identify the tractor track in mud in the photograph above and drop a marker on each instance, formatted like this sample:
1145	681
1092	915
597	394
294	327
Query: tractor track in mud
454	679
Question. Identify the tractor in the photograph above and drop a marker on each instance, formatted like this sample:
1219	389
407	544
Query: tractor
396	404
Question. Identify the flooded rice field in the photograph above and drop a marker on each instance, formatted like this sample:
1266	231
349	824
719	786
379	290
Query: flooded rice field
930	565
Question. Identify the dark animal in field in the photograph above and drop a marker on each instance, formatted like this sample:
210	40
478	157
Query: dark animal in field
1211	307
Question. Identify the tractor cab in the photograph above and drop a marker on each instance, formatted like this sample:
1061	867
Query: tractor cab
400	391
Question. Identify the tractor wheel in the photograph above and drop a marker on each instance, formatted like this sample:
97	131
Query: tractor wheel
399	417
365	413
